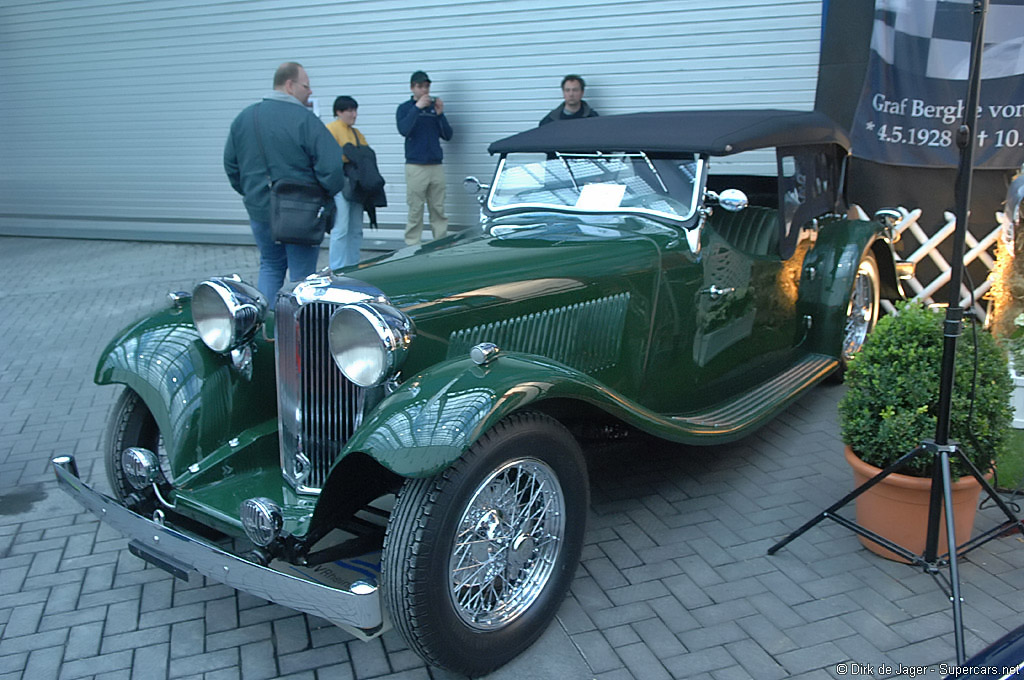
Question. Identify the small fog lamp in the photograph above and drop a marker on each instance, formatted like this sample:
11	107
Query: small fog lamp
262	520
140	466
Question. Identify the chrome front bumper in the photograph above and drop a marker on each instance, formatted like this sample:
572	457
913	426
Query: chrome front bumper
180	554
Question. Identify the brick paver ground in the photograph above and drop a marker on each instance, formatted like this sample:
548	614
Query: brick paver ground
674	583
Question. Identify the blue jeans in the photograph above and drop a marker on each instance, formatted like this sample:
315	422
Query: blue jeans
276	258
347	233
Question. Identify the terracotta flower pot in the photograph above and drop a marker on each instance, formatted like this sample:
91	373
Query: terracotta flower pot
897	509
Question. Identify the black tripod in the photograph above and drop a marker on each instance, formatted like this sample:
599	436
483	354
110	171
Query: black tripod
941	448
941	498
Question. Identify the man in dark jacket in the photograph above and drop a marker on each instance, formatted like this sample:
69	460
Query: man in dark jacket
422	122
296	145
574	106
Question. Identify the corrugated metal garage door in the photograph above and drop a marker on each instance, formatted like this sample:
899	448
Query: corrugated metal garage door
113	114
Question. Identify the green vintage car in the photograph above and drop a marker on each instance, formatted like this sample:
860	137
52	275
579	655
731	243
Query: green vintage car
397	444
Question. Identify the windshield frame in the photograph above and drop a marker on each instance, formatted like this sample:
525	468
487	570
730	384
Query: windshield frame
686	220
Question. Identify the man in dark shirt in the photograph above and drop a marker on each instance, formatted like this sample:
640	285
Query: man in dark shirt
296	145
574	106
422	122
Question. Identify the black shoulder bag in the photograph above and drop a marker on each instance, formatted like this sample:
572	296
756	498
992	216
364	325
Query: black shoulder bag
300	212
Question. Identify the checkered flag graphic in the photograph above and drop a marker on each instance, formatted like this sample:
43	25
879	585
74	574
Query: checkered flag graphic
933	37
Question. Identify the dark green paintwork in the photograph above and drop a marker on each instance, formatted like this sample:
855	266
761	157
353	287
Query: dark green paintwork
680	353
841	246
209	414
482	279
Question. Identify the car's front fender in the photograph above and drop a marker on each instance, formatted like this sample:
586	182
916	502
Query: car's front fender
200	399
428	422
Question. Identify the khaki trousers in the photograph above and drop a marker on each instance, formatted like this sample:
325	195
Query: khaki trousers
424	184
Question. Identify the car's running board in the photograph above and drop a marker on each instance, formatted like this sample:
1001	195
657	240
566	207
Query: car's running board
753	408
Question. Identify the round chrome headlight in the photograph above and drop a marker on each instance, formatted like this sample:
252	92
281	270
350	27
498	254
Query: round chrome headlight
227	312
369	341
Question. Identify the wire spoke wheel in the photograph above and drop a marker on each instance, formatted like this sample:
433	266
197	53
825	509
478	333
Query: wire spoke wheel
862	312
507	543
478	558
131	424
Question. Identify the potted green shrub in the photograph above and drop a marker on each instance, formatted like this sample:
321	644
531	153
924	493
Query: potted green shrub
890	408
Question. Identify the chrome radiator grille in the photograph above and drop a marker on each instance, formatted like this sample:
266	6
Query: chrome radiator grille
318	408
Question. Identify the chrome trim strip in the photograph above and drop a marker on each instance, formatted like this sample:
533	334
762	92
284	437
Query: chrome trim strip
340	607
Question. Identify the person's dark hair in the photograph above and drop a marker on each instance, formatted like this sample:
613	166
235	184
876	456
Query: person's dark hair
344	103
578	79
289	70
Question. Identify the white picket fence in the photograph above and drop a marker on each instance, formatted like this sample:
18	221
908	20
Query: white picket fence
928	247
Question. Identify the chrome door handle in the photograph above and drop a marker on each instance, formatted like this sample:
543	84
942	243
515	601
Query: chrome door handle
716	292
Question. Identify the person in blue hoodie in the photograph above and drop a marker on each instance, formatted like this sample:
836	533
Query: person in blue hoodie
422	122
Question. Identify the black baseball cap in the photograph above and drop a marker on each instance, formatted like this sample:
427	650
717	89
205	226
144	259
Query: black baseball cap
419	77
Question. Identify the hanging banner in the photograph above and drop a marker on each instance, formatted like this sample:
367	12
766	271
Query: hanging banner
916	85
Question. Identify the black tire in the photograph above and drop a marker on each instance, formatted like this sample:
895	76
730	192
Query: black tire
528	463
861	311
131	424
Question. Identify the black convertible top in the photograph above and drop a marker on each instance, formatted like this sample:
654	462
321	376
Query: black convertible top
713	132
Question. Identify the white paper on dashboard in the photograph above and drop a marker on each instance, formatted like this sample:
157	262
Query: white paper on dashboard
601	196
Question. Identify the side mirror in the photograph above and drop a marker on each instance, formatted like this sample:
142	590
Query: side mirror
473	186
888	217
732	200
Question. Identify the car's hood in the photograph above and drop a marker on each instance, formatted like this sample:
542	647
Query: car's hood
482	271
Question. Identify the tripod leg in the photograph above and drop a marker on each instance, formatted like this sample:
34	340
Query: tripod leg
828	512
990	491
936	499
954	572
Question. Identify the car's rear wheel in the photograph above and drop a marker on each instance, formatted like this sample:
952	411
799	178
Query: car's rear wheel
478	558
131	424
862	309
